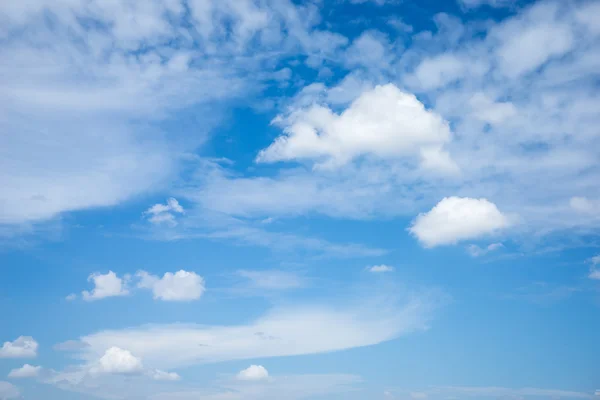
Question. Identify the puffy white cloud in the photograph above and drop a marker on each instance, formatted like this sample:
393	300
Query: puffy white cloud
382	122
159	375
381	268
179	286
22	347
105	285
165	213
117	361
455	219
8	391
253	373
26	371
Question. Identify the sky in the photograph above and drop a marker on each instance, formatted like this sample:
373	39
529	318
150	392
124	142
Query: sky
284	199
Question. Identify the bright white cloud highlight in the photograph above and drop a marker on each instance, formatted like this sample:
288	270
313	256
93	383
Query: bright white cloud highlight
22	347
382	122
381	268
105	285
179	286
117	361
253	373
26	371
455	219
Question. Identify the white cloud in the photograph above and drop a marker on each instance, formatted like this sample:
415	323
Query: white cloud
159	375
101	102
529	41
381	268
476	251
107	285
584	205
383	122
369	50
22	347
8	391
179	286
455	219
71	297
282	332
26	371
117	361
488	110
165	213
253	373
443	69
595	271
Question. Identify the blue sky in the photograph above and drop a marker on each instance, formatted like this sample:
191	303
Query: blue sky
267	199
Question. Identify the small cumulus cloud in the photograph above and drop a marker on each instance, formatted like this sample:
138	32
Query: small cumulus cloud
179	286
22	347
106	285
159	375
380	268
26	371
455	219
117	361
253	373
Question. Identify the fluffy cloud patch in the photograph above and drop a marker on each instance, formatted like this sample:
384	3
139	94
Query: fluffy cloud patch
26	371
117	361
8	391
179	286
382	122
159	375
165	213
284	331
455	219
105	285
22	347
253	373
381	268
